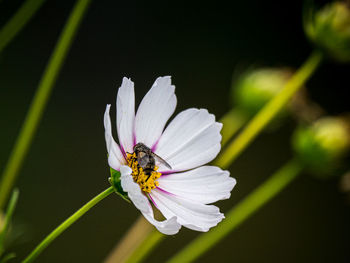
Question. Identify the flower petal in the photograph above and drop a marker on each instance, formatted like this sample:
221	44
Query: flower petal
167	227
206	184
115	156
133	189
191	139
154	111
193	215
126	115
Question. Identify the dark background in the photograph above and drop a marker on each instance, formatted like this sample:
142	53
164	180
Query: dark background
200	45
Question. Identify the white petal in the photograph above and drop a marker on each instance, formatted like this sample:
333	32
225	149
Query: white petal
206	184
133	189
126	115
115	156
193	215
167	227
154	111
191	139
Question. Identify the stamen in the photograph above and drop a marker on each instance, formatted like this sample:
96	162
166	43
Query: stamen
146	182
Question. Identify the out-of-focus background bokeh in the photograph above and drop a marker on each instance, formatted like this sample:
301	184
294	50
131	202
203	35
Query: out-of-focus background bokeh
201	45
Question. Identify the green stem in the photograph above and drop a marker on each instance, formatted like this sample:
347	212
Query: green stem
40	99
269	111
68	222
9	212
146	246
232	121
18	21
243	210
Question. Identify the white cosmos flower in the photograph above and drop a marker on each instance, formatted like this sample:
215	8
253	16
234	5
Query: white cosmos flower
191	140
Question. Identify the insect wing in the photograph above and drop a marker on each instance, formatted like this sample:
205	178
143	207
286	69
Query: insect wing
161	160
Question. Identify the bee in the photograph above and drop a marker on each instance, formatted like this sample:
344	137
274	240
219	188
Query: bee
147	159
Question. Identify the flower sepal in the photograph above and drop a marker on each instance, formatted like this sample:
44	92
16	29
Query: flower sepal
115	181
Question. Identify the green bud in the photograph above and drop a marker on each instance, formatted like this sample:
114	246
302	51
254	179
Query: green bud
322	145
256	87
329	30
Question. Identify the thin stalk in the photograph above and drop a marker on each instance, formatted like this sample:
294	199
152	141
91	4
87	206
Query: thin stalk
269	111
67	223
40	100
18	21
242	211
8	216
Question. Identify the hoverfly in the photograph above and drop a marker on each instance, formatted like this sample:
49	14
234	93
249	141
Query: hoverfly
147	159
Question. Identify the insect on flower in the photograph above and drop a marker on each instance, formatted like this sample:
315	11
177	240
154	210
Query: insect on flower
146	158
166	166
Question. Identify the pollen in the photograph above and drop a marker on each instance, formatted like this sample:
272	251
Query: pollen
147	182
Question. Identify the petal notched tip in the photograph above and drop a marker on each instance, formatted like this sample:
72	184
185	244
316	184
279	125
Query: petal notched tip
154	111
126	114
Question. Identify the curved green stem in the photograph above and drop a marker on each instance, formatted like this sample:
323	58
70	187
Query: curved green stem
238	214
18	21
40	100
269	111
68	222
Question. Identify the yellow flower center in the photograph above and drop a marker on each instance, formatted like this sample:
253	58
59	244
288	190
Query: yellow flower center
147	182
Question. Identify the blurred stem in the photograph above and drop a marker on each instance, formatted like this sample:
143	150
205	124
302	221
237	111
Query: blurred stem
67	223
232	121
266	114
132	242
146	246
9	212
18	21
40	99
238	214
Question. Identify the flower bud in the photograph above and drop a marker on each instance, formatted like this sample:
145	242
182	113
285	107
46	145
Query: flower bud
322	145
256	87
329	30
